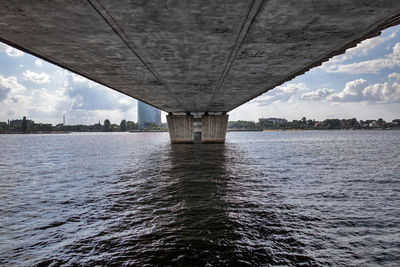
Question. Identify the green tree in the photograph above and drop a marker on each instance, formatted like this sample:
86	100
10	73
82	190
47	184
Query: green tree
380	122
24	125
107	125
242	125
114	127
264	124
332	124
130	125
122	126
354	123
3	127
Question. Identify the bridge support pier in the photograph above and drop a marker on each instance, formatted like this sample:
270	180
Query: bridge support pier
180	128
214	128
185	129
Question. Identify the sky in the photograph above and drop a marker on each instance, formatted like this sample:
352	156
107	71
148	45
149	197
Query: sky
363	83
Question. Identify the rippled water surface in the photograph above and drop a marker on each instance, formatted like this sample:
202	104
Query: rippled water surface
263	198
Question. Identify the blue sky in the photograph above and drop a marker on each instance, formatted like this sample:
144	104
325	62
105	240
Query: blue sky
363	83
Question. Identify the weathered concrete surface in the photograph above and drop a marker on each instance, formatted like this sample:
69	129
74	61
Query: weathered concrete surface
180	128
191	56
214	128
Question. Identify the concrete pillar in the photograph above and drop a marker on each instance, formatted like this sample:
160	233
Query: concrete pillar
180	128
214	128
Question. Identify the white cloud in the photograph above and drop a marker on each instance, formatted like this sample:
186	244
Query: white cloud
9	84
394	75
38	62
351	92
4	92
86	95
365	46
48	101
319	94
369	66
382	93
360	91
12	52
36	77
362	49
282	93
290	88
79	79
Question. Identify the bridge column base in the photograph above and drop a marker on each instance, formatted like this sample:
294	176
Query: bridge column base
180	128
214	128
185	129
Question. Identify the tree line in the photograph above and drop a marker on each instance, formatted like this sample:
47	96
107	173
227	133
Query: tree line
308	124
107	126
29	126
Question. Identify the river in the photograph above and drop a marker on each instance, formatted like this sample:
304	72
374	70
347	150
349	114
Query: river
305	198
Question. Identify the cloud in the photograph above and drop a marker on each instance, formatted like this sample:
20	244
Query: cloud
290	88
394	75
319	94
362	49
9	84
282	93
12	52
49	101
4	92
38	62
85	95
81	100
360	91
79	79
383	93
351	92
36	77
369	66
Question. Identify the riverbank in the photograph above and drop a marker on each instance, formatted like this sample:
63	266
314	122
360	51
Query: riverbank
148	131
40	132
244	130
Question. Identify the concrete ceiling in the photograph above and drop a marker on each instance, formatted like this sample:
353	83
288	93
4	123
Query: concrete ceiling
191	55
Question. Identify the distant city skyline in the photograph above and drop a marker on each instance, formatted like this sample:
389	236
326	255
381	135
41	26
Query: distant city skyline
362	83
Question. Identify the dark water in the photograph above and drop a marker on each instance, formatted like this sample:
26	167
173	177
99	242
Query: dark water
264	198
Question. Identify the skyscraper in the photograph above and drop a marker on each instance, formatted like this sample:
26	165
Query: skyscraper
147	115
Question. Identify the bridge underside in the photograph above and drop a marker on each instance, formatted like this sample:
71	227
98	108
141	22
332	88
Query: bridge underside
191	56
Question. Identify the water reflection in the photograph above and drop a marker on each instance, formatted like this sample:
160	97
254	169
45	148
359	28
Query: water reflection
204	233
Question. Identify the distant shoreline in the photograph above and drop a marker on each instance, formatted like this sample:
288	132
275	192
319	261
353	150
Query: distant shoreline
147	131
39	132
296	130
228	130
244	130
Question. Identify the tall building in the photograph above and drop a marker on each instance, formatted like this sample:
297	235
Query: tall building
148	114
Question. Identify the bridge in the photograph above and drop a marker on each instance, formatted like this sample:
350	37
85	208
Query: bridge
194	59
